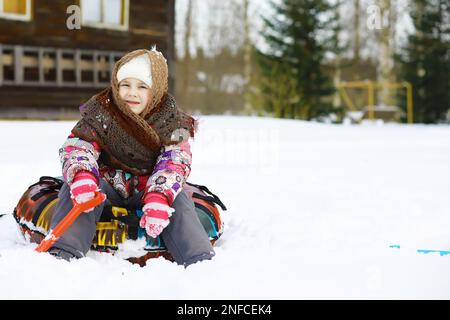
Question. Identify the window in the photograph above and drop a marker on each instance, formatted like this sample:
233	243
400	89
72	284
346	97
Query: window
15	9
46	66
109	14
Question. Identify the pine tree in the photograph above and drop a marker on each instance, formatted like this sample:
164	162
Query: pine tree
299	36
426	60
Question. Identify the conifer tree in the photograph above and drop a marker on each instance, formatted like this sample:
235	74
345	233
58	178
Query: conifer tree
426	60
299	36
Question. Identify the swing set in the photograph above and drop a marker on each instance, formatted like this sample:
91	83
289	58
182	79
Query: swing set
371	87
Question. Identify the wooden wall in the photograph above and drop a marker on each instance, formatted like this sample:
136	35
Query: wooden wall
150	22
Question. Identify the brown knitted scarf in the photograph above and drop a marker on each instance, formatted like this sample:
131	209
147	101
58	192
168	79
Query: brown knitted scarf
133	142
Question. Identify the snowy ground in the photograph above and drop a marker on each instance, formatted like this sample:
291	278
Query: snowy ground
312	210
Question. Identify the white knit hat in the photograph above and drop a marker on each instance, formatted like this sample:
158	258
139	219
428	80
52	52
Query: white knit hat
139	68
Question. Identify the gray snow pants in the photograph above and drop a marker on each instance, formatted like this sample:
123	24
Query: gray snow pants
184	237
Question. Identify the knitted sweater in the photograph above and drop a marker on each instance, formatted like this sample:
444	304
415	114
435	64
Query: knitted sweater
171	171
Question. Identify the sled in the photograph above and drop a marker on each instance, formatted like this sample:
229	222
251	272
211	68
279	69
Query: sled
117	225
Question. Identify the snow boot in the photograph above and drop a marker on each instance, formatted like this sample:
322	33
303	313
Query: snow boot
61	254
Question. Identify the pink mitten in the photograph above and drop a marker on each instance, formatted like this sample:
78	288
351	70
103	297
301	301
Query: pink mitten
156	214
83	187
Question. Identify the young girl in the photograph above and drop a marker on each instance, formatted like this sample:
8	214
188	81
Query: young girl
132	145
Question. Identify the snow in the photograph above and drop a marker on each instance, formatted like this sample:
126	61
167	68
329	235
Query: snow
312	211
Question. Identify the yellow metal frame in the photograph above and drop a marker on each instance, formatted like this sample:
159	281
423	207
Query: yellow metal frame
43	222
104	227
371	86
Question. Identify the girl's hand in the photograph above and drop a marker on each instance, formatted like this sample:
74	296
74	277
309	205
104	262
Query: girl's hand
83	187
156	214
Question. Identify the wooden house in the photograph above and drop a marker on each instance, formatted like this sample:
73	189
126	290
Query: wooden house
54	55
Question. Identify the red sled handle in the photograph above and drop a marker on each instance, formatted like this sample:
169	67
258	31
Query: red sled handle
65	223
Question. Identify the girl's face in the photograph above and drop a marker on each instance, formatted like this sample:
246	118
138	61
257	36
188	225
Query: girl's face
135	93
